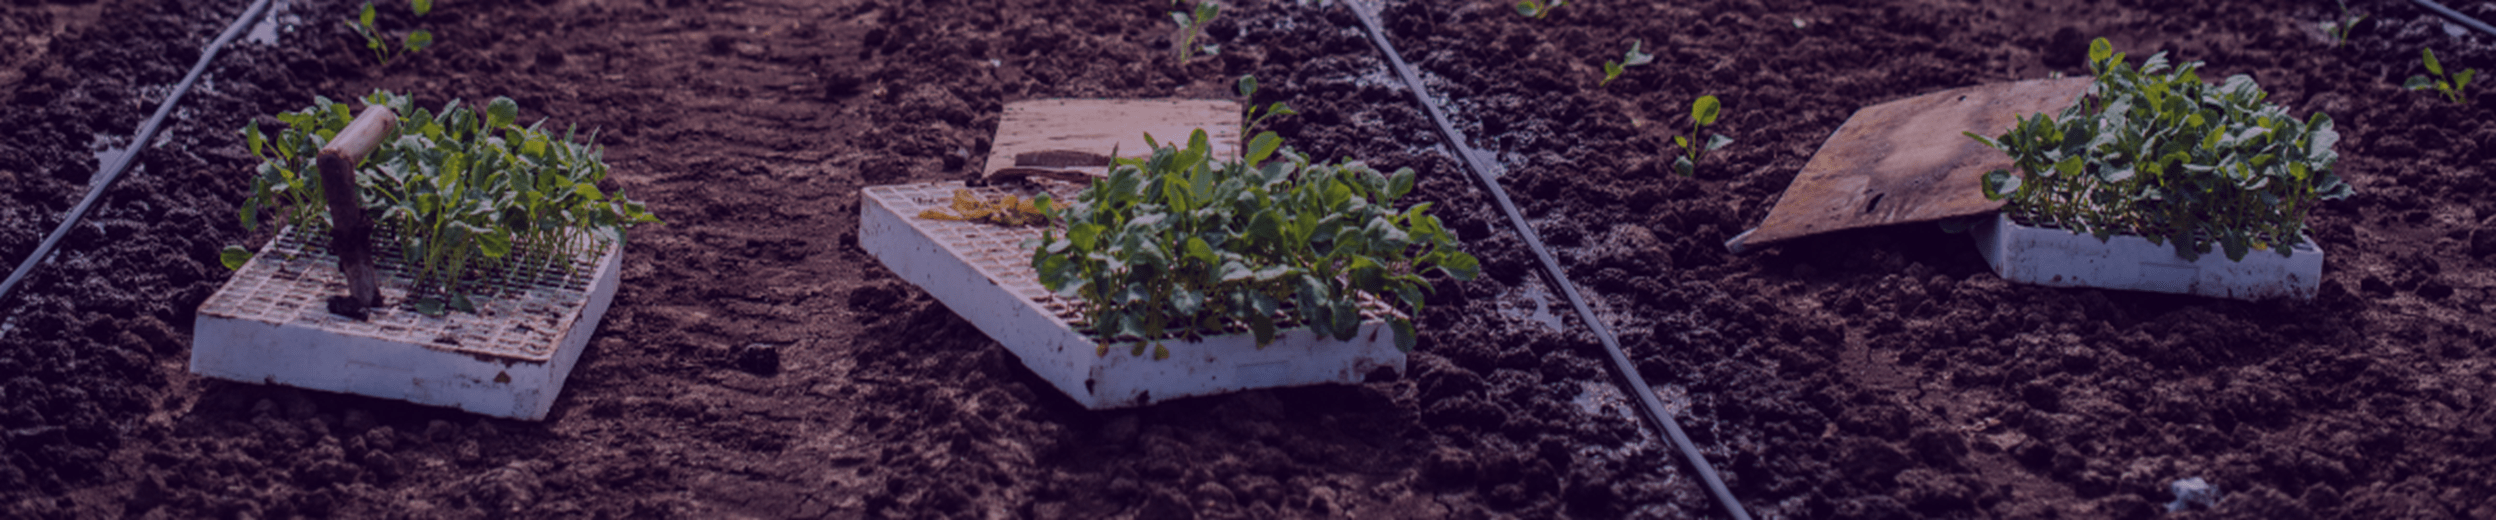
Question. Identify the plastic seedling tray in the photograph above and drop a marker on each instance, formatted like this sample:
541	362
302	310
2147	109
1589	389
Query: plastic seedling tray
980	271
2059	258
271	324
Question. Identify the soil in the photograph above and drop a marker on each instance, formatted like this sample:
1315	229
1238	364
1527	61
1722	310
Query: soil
757	363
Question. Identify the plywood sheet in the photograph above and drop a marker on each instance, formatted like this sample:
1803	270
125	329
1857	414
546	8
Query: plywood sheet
1037	128
1907	161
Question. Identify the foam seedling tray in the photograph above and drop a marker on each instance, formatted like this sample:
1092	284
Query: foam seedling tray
979	270
271	324
2059	258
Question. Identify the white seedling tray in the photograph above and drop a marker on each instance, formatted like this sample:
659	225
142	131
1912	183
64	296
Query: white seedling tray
980	271
271	324
2059	258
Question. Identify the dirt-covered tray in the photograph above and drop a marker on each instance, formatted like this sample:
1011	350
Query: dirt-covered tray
980	271
271	324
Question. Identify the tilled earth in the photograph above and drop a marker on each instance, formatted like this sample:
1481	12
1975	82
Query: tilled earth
757	363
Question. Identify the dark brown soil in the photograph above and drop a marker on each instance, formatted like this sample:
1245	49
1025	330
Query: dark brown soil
757	363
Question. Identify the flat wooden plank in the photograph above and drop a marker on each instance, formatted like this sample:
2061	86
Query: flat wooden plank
1096	126
1906	161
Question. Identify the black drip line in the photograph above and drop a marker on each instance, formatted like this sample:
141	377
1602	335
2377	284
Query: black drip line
1611	345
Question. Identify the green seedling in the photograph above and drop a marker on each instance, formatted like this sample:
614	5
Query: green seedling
2338	29
1268	140
1702	113
1538	10
1192	25
2157	153
2449	85
416	40
471	197
1613	69
1180	246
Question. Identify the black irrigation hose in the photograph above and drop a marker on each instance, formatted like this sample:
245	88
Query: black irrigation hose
1611	345
138	143
2474	23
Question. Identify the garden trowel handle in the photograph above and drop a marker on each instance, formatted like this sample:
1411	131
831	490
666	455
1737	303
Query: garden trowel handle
350	234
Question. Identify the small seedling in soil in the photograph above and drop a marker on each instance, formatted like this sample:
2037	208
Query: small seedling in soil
2449	85
2338	30
1180	246
2157	153
1613	69
1702	113
1192	25
416	40
1011	210
1538	10
1248	90
470	196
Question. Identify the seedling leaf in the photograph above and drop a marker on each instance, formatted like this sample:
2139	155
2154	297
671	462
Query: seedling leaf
234	257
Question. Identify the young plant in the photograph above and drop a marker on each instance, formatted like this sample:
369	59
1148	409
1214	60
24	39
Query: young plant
416	40
1613	69
1538	10
2338	29
2449	85
1192	25
2157	153
1179	246
468	197
1702	113
1248	91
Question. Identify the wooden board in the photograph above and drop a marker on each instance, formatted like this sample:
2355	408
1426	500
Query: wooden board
1908	161
1096	126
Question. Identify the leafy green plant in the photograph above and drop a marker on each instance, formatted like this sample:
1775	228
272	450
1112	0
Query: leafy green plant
1192	25
2449	85
1703	112
2339	29
1248	91
2157	153
1537	10
1178	246
1613	69
416	40
467	196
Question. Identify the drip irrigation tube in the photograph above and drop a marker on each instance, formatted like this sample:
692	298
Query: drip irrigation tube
2448	12
138	143
1611	345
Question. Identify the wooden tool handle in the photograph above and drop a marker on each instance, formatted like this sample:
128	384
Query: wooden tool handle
350	233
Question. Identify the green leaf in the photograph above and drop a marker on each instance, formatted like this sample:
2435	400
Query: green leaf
501	112
2100	50
1704	110
1248	86
418	40
1681	165
429	306
1197	249
421	6
1263	146
366	19
234	257
1610	70
1459	265
493	244
1635	57
1405	338
252	135
2428	55
1399	185
1263	327
1718	141
1530	9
